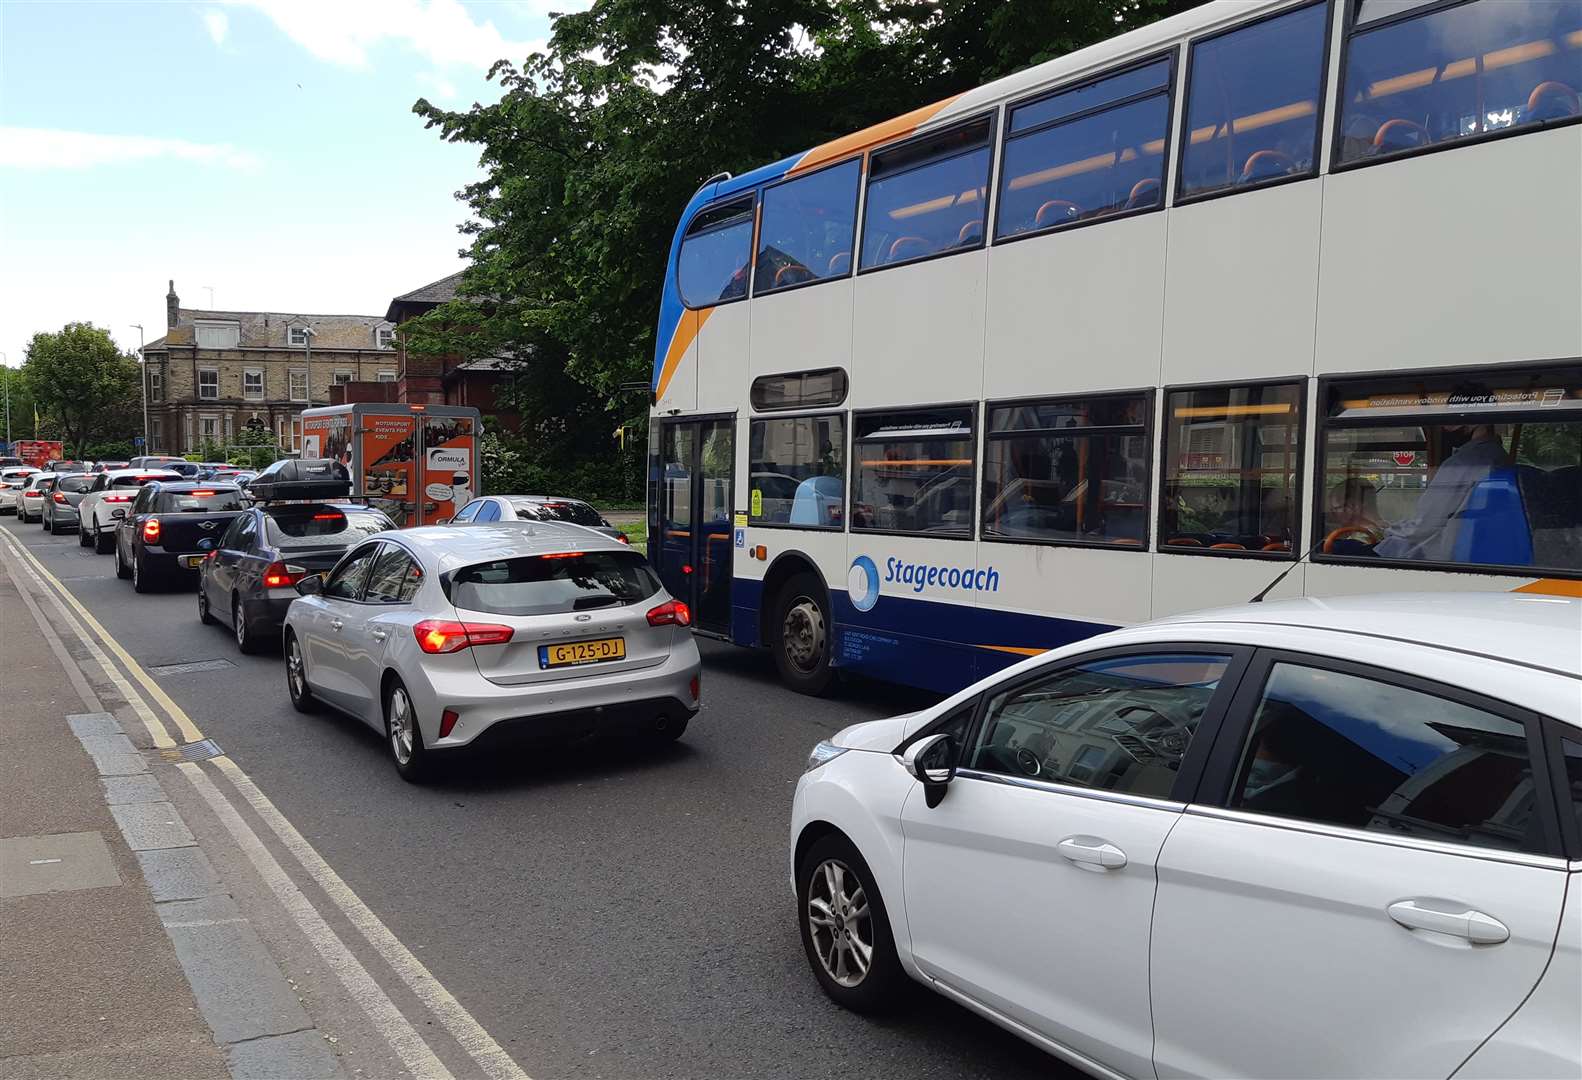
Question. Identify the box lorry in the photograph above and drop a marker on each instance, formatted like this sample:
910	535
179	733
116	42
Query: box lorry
39	452
417	463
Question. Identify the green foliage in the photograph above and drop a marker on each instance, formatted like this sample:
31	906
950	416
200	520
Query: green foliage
84	383
21	398
115	450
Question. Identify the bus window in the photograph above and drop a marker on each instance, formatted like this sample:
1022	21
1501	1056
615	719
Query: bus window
1459	72
1482	469
1252	103
913	472
1230	468
1068	471
799	389
715	253
807	228
798	471
927	197
1086	152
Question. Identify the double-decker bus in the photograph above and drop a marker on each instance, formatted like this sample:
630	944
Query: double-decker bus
1272	291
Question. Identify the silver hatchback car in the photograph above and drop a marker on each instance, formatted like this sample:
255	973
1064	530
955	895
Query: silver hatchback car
442	638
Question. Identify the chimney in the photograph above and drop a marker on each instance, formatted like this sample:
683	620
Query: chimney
172	305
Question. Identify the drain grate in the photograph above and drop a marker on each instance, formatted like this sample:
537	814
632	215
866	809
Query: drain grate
202	750
186	669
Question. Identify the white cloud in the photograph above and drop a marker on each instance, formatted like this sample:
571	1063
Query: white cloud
343	32
217	23
46	148
437	84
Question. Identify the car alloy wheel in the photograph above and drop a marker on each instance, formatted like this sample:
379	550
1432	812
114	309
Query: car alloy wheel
840	920
204	615
297	675
402	721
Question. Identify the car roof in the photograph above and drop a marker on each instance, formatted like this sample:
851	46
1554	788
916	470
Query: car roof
546	499
181	486
153	471
461	545
303	507
1531	629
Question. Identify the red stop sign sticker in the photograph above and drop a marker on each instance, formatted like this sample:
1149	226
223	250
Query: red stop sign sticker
1405	457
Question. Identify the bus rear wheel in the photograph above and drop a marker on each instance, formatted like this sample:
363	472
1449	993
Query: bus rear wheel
802	635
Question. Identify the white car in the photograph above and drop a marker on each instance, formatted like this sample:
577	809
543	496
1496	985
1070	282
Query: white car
111	492
1325	837
13	478
444	638
30	502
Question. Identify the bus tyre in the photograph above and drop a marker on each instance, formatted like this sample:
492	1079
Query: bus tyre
802	635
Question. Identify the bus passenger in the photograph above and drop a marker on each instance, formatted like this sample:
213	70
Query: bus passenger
1429	536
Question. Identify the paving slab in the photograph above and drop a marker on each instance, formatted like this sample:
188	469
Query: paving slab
141	788
301	1055
119	764
104	745
151	825
179	874
63	862
94	723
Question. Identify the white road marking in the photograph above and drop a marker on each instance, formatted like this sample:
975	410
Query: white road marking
43	862
453	1016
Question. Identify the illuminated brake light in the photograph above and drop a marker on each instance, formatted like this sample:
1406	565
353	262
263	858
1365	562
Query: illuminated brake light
562	555
623	538
670	613
448	636
151	531
118	498
58	498
278	575
196	494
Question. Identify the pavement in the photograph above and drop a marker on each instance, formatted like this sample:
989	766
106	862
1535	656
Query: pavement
597	911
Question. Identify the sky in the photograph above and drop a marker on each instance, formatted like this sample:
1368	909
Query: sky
262	149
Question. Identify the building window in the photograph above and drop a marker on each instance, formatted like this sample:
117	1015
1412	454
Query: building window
1479	468
715	253
384	337
253	384
798	471
1082	153
387	376
1456	73
156	384
927	197
209	428
807	228
1231	462
156	435
299	385
217	335
208	384
799	389
1068	471
1252	105
298	336
342	378
913	472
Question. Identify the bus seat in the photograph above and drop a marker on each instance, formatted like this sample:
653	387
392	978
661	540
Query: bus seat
908	247
1265	165
1227	547
1056	212
840	262
1492	526
792	274
814	499
1552	100
971	233
1553	500
1400	134
1144	193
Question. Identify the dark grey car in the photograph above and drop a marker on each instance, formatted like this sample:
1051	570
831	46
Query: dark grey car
60	509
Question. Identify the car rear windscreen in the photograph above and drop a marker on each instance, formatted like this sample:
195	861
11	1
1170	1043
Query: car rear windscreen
138	481
321	526
76	483
183	502
552	584
576	513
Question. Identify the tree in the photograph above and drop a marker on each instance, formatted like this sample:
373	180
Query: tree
84	382
14	387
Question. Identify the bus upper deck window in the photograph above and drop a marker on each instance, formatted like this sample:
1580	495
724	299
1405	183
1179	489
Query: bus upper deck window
715	254
1082	153
807	227
1252	103
1415	79
927	197
1481	468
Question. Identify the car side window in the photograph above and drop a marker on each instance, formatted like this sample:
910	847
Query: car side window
1572	748
1116	723
488	512
240	532
346	583
394	579
144	503
1344	749
466	513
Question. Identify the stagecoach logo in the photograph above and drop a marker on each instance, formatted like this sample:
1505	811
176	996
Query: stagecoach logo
862	583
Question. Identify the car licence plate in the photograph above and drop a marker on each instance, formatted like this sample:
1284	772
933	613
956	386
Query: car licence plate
582	652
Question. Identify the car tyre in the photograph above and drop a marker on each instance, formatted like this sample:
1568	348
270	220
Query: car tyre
84	538
247	642
297	686
102	541
846	929
802	635
121	570
142	576
404	735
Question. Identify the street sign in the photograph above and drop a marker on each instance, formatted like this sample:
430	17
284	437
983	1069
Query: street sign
137	440
1404	458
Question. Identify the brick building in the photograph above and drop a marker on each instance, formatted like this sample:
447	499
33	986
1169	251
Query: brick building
215	372
449	379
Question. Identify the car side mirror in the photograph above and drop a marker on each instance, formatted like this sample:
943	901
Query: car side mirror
118	514
311	585
442	521
932	761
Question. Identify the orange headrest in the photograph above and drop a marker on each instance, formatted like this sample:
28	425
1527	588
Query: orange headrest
1143	193
1399	134
1057	212
1559	94
971	230
1263	164
908	247
840	262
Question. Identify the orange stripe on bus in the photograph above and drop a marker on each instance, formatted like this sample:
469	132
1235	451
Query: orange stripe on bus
1552	587
686	333
1017	649
857	141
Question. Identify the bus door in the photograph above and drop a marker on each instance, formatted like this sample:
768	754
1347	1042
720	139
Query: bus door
693	550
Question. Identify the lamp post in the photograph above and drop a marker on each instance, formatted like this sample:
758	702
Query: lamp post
142	371
307	353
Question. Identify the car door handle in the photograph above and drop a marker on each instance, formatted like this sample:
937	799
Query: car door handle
378	635
1091	853
1474	926
336	624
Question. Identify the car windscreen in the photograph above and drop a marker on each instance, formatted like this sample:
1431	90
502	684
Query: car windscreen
321	526
574	512
553	583
183	502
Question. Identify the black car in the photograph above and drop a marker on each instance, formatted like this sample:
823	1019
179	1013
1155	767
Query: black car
169	519
250	578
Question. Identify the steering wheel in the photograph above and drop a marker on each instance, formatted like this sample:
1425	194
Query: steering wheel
1369	533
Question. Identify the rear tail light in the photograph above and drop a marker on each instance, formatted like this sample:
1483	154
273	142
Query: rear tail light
58	498
118	498
447	722
151	531
200	493
693	686
278	575
623	538
670	613
448	636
